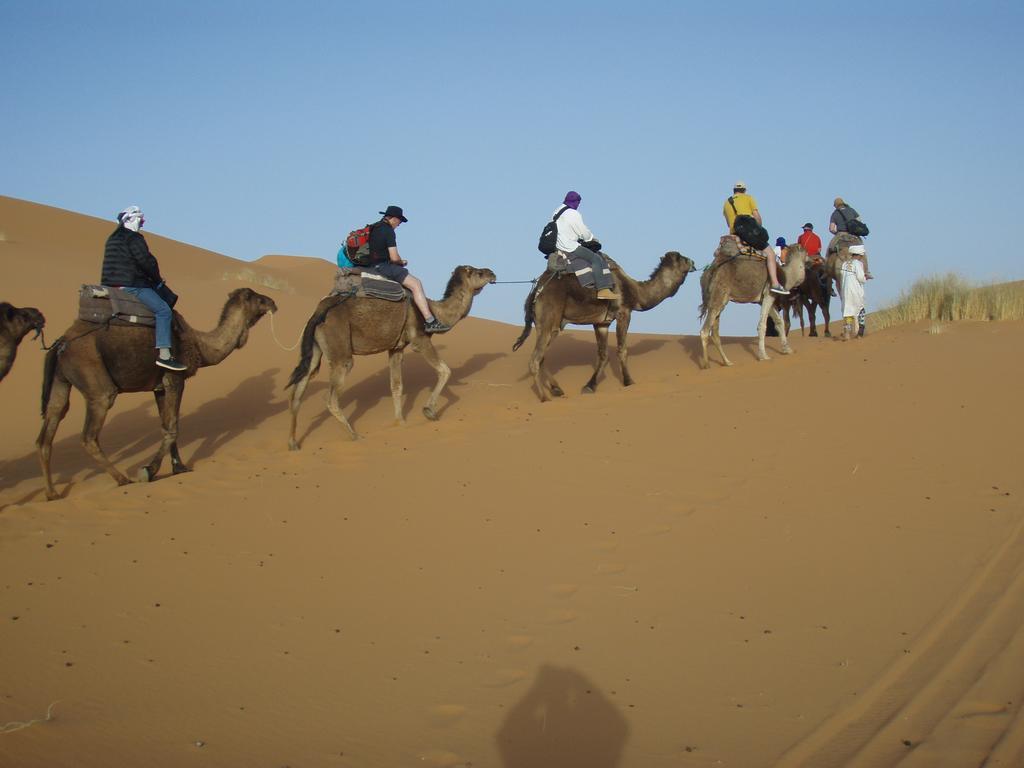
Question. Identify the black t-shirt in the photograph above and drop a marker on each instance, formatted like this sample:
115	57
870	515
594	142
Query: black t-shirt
382	237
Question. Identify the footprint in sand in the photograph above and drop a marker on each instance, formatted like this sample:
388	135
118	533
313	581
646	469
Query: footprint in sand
563	590
505	677
519	642
446	714
606	546
606	568
560	616
440	758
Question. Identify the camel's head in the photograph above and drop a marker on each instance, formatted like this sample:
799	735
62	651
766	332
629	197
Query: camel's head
22	320
796	265
253	305
473	278
676	260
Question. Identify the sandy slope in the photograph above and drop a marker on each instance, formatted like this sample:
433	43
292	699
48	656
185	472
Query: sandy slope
812	561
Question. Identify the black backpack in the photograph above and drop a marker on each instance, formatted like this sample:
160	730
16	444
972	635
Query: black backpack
549	235
855	227
750	232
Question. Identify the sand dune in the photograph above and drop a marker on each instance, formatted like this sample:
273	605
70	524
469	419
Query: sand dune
814	561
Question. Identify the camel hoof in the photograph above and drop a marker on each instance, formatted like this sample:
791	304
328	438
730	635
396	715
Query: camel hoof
588	390
828	335
181	469
813	334
143	476
430	413
292	445
52	496
557	392
787	351
628	383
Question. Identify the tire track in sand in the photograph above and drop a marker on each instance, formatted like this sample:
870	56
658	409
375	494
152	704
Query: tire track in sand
956	700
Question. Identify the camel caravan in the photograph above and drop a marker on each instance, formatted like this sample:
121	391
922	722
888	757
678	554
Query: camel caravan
128	338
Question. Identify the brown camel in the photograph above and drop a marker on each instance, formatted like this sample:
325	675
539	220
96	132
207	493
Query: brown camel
812	293
15	323
101	362
744	280
559	299
342	327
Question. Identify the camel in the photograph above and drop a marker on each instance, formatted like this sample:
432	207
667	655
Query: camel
557	299
812	293
103	361
837	253
344	326
744	280
15	323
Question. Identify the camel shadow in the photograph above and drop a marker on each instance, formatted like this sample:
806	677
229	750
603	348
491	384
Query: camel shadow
416	377
220	421
568	351
563	721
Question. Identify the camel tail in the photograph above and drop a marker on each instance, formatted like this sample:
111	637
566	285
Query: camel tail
306	350
50	371
528	321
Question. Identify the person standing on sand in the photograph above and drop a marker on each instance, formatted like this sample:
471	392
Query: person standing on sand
739	203
853	290
129	265
385	261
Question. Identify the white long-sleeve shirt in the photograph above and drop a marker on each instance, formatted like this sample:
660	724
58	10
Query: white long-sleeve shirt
571	230
852	287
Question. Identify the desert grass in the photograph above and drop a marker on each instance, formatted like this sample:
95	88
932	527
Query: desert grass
947	298
252	276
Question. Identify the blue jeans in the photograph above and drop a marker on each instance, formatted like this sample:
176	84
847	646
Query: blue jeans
152	299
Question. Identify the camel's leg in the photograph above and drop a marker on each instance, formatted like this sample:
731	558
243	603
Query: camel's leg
168	403
825	314
601	332
425	347
339	370
545	336
767	304
716	337
96	409
800	314
785	319
56	410
298	391
621	332
786	349
395	366
812	315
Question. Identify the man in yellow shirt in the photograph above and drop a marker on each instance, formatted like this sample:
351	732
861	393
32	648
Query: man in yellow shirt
739	203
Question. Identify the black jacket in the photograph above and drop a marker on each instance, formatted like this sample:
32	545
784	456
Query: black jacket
127	261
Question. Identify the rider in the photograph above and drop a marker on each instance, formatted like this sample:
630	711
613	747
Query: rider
128	264
385	261
739	203
573	241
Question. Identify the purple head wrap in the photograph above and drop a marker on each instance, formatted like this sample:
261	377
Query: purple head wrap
572	199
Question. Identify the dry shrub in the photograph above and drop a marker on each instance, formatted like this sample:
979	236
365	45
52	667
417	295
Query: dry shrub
951	297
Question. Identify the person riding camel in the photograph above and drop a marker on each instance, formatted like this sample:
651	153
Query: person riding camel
578	242
840	223
129	265
812	244
385	261
739	203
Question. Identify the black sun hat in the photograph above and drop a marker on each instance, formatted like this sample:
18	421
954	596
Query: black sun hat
393	210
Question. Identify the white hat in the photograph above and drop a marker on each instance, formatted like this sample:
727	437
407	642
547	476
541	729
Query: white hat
857	250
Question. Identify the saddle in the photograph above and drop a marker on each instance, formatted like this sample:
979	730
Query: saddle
107	305
561	264
729	248
356	282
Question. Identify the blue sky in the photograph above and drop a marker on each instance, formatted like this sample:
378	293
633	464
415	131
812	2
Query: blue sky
252	128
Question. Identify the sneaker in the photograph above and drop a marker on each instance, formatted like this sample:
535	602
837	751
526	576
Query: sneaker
607	294
860	331
779	290
436	326
171	364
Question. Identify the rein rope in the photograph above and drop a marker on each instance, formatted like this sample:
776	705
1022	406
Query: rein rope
273	332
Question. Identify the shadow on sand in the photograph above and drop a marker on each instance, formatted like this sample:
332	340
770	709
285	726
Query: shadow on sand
417	377
135	434
563	721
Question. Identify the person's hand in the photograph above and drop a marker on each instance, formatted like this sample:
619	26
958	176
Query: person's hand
403	262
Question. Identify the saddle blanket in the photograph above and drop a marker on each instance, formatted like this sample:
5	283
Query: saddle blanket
367	284
108	305
558	262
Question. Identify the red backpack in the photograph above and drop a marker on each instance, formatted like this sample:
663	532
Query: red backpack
357	245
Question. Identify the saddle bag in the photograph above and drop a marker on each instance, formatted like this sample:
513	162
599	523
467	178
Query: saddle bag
105	304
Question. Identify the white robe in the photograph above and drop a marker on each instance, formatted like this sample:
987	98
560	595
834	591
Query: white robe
852	287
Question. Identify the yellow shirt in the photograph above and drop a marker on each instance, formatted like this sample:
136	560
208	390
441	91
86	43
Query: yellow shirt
745	206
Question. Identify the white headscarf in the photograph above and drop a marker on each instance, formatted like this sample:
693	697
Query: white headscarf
131	218
857	250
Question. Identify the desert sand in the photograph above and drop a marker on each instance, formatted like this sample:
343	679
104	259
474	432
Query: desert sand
811	561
